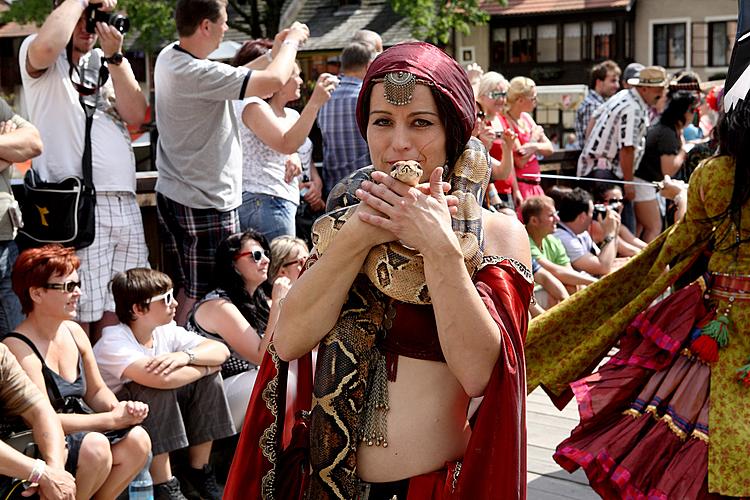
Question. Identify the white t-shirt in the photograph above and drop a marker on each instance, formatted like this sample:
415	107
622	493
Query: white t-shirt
53	107
198	155
118	349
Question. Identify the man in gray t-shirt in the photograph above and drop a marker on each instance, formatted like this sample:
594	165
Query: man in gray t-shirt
198	153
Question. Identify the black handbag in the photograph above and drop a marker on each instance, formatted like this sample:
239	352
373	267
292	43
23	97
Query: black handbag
61	212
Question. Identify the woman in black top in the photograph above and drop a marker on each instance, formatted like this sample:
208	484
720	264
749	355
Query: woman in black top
664	155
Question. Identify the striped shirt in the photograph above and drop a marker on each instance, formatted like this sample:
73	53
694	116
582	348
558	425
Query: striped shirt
620	122
344	149
590	104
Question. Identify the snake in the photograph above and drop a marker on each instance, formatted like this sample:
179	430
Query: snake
347	355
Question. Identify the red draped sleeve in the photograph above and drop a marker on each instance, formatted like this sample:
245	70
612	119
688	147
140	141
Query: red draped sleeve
494	465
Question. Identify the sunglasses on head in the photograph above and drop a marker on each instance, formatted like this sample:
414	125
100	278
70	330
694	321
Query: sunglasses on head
496	94
67	287
257	255
167	297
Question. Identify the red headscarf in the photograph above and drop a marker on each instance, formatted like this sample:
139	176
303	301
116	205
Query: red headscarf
430	64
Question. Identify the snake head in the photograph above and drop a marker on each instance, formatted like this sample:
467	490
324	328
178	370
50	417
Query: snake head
407	171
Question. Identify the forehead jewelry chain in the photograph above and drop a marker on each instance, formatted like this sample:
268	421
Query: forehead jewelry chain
399	87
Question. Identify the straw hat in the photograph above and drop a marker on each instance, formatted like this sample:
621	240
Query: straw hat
650	76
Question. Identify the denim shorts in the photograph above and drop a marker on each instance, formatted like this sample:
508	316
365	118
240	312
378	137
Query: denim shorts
10	307
270	215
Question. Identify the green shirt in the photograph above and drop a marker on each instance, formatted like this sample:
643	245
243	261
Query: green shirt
552	249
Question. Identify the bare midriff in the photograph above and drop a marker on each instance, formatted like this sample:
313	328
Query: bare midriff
427	424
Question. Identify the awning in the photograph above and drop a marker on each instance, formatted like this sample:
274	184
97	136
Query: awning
526	7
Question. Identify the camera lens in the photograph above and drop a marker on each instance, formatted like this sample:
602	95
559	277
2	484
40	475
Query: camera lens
120	23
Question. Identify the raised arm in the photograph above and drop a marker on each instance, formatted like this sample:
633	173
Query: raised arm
275	132
267	81
53	36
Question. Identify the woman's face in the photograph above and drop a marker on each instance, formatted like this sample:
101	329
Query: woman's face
493	102
410	132
254	271
291	91
614	198
528	100
59	299
292	265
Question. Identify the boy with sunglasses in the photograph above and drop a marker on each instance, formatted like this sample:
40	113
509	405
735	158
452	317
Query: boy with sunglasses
148	357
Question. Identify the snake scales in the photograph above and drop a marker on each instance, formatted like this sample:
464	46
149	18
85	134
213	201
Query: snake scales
345	411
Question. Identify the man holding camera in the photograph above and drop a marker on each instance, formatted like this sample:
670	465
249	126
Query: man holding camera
59	66
199	155
576	210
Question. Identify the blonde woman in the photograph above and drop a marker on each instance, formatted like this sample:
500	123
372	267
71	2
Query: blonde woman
492	92
531	141
288	255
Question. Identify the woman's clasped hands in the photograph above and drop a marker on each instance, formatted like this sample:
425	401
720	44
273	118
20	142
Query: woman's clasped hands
417	216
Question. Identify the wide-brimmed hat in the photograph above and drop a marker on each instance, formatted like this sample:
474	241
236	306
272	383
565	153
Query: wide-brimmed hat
650	76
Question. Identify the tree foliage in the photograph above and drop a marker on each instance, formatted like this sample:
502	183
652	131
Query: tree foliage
431	20
434	21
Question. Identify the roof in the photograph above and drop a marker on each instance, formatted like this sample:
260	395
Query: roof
526	7
332	26
9	30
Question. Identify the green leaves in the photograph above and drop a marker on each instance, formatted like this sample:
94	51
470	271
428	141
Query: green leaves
434	21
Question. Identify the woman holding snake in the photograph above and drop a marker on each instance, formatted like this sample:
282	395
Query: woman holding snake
400	358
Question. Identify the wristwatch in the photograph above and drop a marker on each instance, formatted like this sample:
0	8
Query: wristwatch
607	240
191	355
115	59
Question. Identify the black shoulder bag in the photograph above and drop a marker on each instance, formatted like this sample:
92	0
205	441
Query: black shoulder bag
63	212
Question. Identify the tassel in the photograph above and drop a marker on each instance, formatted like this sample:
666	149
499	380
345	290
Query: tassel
706	348
718	329
743	374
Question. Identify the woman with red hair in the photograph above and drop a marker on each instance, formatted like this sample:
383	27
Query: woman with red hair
101	432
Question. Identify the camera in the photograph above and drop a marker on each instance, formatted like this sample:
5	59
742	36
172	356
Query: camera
600	211
94	15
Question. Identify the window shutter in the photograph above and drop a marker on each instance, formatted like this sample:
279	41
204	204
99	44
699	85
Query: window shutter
699	45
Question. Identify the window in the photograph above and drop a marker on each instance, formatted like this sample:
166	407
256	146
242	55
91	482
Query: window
499	46
720	37
603	40
521	45
572	42
669	45
546	43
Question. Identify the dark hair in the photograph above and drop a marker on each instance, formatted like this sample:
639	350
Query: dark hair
35	266
188	14
135	287
356	56
251	50
556	192
734	141
599	72
255	309
572	203
678	104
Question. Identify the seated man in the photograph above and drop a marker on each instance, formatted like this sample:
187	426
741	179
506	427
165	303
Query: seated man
540	217
576	211
149	358
546	283
20	397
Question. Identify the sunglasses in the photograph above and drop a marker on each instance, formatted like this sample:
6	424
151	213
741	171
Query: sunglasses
257	255
67	287
481	115
167	297
87	86
300	261
496	94
614	201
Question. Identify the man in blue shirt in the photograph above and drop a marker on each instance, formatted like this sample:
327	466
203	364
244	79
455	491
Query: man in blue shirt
344	149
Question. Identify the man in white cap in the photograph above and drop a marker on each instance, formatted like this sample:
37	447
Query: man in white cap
617	138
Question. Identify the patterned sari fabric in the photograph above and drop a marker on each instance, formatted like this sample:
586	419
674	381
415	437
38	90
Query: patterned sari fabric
646	416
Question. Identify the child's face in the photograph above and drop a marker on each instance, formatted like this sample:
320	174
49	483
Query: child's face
161	309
